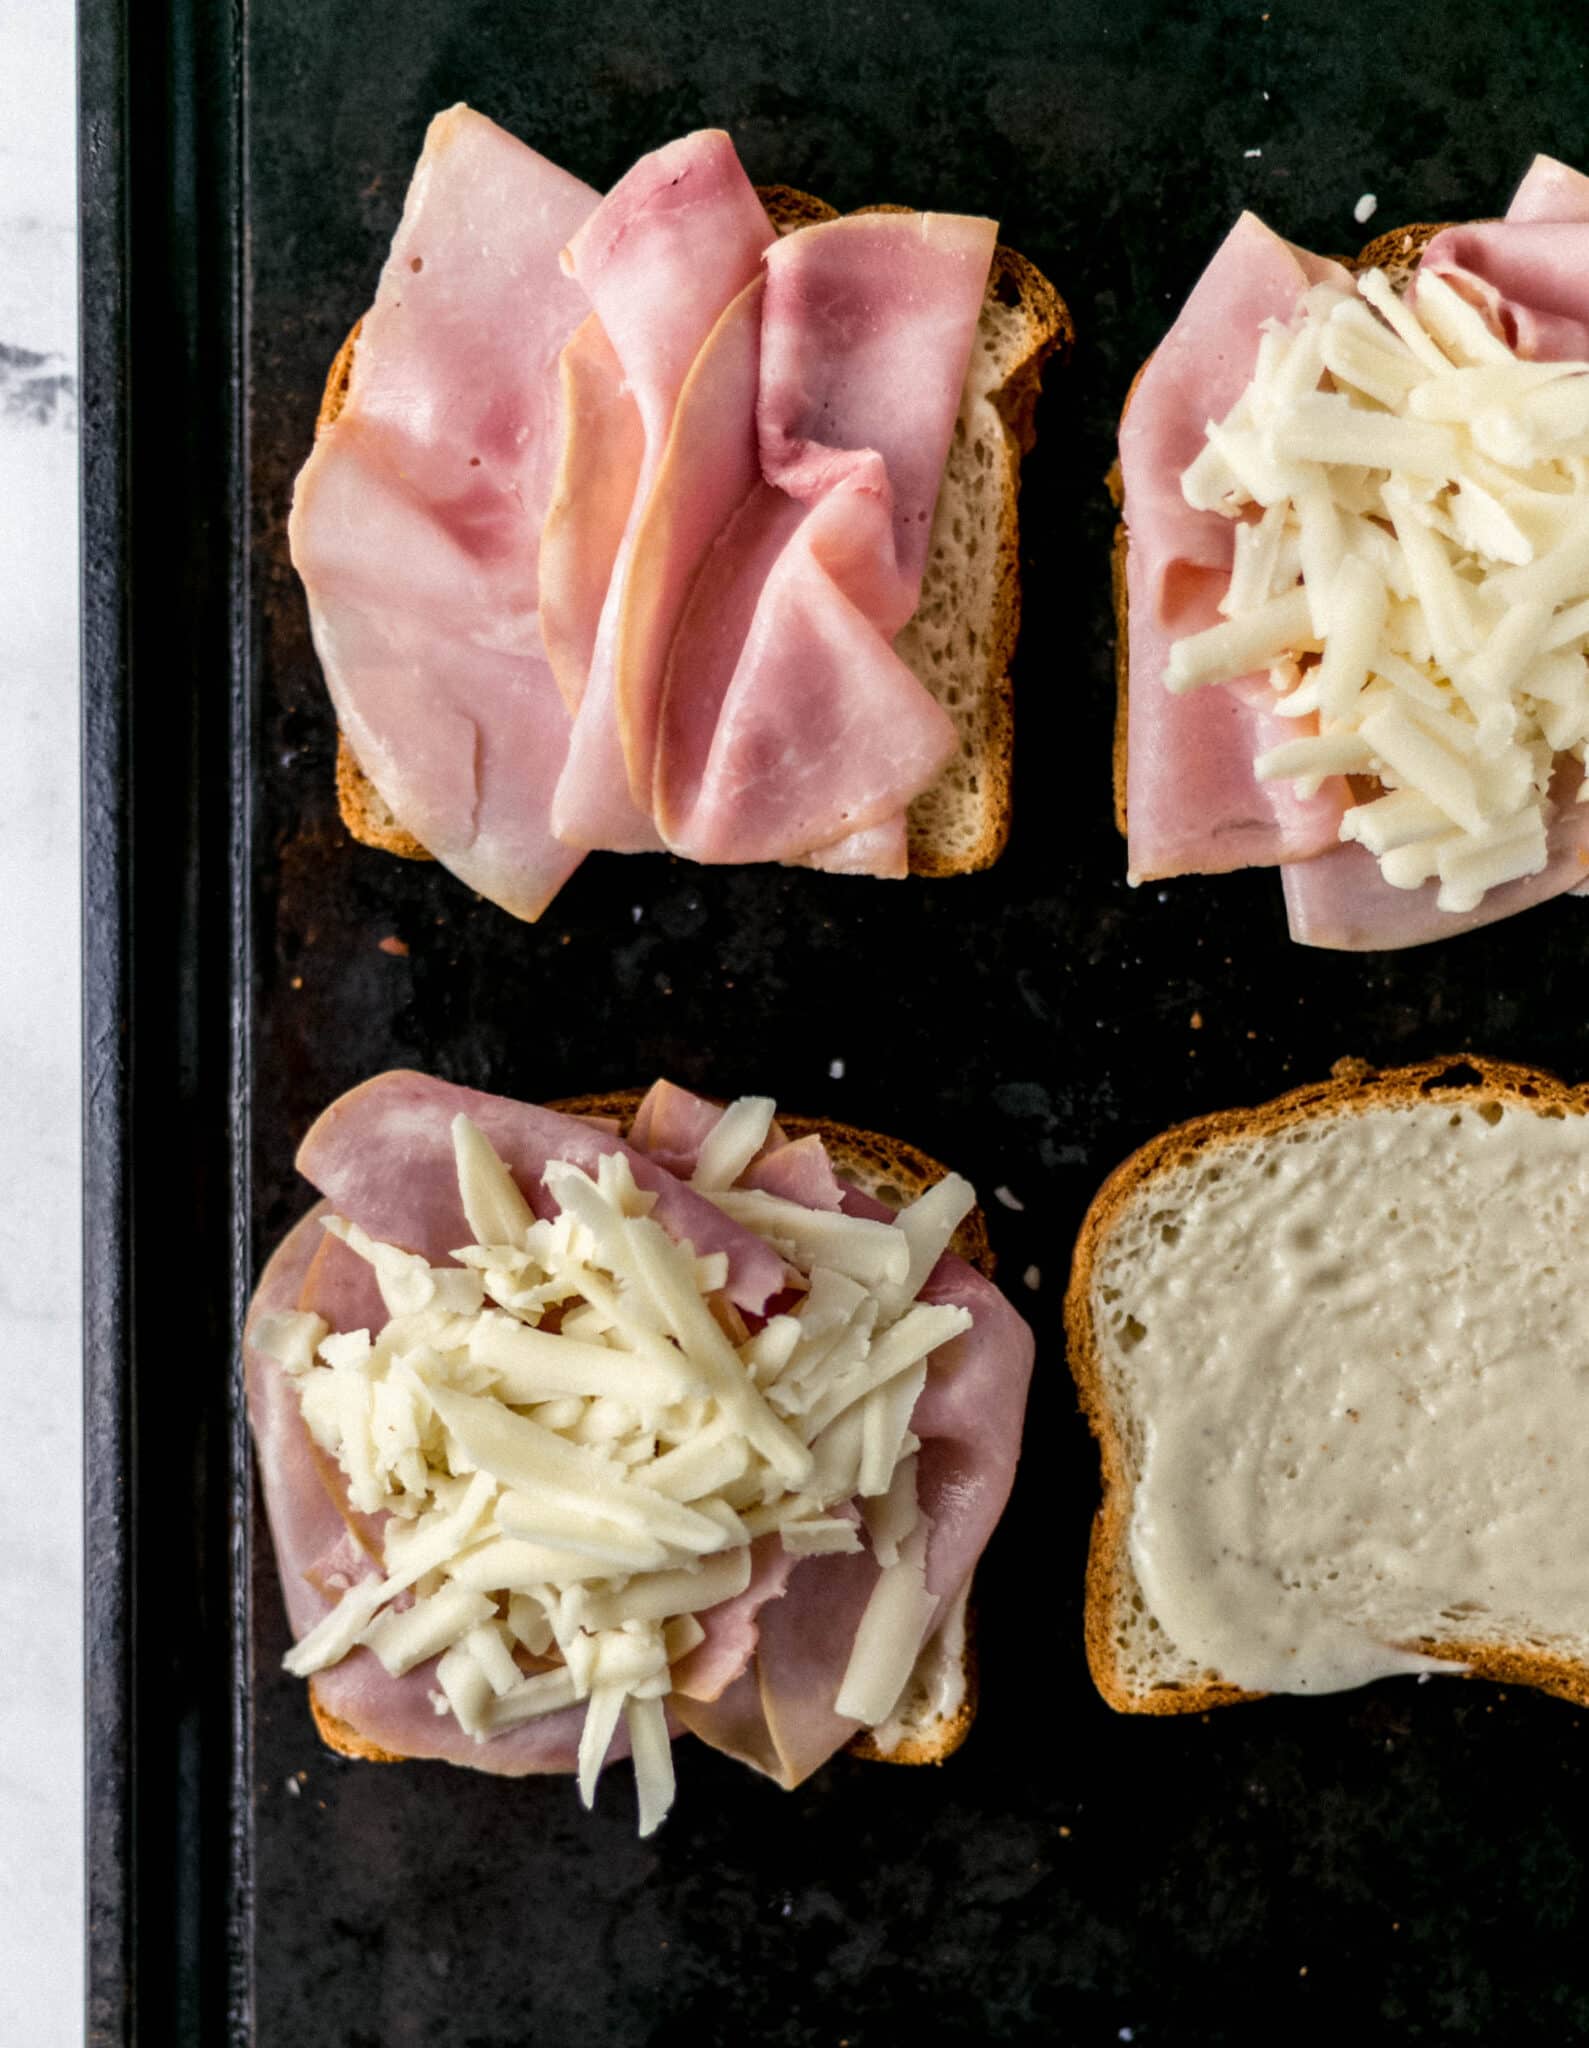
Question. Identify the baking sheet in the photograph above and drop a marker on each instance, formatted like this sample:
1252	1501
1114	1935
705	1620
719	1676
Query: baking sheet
1407	1858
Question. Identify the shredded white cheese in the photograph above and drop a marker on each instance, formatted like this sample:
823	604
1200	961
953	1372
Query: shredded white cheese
575	1439
1411	570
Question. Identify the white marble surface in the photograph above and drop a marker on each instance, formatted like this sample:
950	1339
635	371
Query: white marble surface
41	1927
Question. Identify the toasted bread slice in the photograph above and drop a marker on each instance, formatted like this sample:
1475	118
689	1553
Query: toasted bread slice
935	1715
1142	1215
1397	253
962	638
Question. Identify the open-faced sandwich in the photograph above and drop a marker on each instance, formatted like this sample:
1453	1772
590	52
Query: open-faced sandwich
584	1428
1353	576
681	518
1334	1352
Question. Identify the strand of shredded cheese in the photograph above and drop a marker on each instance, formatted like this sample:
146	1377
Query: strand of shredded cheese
575	1441
1412	569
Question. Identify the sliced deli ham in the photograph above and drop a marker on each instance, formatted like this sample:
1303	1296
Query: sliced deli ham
1550	191
1193	803
603	447
762	1681
788	723
1343	903
416	521
608	534
1530	279
668	250
383	1155
322	1545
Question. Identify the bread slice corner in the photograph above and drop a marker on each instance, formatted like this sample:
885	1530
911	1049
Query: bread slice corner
1134	1666
961	640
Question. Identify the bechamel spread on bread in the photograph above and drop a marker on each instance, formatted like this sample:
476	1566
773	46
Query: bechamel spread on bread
1376	579
1353	1362
581	1456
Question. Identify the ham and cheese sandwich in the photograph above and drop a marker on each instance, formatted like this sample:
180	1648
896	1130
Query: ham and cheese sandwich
583	1428
1333	1350
680	519
1352	580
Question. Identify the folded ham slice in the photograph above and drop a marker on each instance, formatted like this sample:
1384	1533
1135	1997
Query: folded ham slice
322	1546
383	1155
660	260
787	721
778	1716
416	521
603	447
616	476
1342	902
761	1684
1193	802
1550	191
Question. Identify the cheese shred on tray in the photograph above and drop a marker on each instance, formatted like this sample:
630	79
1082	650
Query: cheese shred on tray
1412	571
575	1438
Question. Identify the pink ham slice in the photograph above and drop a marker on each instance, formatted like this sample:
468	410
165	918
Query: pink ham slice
881	851
382	1154
1529	278
732	1632
603	446
416	520
310	1526
1341	901
672	1125
788	723
1550	191
305	1500
778	1717
761	1685
1193	803
675	241
708	468
1530	275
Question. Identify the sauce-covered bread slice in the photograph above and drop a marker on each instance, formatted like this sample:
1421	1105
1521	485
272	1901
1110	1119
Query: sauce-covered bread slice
1331	1351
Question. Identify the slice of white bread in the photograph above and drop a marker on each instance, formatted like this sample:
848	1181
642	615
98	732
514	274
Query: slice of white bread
1161	1229
962	638
1397	253
934	1715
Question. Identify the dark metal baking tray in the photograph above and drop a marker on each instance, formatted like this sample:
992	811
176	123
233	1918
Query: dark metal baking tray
1407	1859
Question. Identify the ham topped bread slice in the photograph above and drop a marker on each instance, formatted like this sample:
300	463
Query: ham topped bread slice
635	585
849	1445
1202	788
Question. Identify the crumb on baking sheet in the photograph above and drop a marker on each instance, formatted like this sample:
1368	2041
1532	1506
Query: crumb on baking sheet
1365	209
398	948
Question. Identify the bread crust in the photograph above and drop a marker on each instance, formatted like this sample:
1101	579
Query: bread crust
872	1160
1353	1088
1049	331
1398	252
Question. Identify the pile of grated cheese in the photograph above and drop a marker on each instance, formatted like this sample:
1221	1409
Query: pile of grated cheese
1412	570
576	1439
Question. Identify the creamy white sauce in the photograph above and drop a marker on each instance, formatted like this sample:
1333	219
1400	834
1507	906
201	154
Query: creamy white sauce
1361	1372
